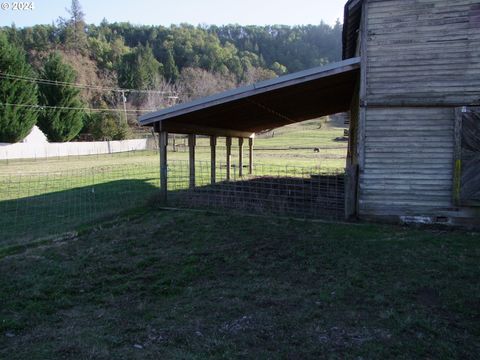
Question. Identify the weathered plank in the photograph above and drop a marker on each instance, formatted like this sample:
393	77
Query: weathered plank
408	160
470	158
423	53
457	156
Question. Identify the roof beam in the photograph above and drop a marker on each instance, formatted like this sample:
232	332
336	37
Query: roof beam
179	128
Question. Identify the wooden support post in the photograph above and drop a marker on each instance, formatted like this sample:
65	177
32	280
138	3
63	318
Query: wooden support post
351	175
250	156
229	156
191	159
163	142
174	144
213	159
240	157
457	157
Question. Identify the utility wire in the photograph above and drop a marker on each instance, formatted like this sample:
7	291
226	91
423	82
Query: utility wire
47	107
84	86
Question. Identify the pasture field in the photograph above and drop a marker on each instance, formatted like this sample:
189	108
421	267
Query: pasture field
290	145
49	196
155	284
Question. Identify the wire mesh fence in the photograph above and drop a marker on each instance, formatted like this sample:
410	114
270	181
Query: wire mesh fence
38	204
42	204
279	190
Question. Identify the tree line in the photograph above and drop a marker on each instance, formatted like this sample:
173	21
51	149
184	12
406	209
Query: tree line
189	61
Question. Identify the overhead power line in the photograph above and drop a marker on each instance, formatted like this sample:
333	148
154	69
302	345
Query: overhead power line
47	107
169	94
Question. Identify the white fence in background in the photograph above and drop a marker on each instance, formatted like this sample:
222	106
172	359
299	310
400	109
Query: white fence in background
47	150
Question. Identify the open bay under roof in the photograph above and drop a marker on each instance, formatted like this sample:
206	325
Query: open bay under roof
265	105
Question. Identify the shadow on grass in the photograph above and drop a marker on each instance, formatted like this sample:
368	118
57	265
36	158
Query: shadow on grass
183	285
29	218
317	196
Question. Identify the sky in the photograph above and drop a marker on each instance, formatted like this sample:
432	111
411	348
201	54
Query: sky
167	12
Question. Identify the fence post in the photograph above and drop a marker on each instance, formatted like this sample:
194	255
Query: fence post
213	159
350	189
191	159
229	156
163	142
250	156
240	157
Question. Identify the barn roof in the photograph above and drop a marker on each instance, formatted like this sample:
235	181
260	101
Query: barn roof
351	24
265	105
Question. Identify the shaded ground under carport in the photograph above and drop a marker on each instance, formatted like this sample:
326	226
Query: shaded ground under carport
316	196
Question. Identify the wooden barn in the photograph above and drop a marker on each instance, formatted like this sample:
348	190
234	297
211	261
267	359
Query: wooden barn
415	128
410	77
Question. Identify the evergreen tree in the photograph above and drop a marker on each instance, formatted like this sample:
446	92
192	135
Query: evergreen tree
139	69
149	69
170	68
62	123
15	121
74	35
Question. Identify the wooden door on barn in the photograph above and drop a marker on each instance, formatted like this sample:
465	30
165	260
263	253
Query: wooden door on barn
467	166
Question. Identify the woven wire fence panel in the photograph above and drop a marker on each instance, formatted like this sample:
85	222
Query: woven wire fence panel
35	205
43	204
276	190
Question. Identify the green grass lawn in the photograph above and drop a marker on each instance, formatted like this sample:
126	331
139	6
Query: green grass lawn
201	285
153	284
291	145
48	196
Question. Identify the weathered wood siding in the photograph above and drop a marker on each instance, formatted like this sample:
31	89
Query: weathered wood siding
408	166
470	158
423	52
422	60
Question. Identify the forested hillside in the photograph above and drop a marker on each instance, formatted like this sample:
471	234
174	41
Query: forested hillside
160	65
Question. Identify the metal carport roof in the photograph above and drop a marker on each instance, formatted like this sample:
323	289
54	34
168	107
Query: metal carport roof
265	105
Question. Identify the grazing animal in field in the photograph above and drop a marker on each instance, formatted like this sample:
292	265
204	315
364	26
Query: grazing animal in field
317	150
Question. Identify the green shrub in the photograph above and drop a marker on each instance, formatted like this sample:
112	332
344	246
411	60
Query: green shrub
107	125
